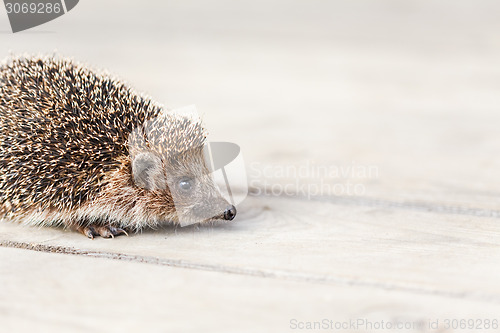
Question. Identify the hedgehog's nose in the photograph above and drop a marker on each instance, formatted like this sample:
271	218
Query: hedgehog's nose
230	213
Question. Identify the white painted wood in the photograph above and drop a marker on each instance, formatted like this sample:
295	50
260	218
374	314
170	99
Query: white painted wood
426	253
59	293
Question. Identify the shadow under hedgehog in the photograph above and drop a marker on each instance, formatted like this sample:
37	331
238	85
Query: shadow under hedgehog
80	149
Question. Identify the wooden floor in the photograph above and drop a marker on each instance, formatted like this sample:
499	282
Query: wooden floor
369	131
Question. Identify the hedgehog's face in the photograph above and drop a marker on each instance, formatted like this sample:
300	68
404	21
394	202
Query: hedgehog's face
183	182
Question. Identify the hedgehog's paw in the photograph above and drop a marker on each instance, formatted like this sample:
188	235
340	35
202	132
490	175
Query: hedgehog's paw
94	230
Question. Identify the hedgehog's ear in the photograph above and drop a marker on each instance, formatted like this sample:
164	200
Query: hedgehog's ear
148	172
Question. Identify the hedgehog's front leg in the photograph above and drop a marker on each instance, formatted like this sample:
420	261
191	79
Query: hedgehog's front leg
93	230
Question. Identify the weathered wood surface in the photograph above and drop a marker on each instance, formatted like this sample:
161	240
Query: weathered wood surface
409	89
427	253
55	293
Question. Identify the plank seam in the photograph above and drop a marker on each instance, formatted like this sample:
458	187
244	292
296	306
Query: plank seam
402	205
253	272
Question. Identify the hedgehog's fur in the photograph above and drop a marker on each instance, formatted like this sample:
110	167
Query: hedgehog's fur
65	155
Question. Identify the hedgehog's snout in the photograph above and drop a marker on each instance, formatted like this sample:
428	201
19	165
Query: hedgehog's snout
230	213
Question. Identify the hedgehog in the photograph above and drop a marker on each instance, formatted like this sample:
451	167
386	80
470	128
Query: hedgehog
82	150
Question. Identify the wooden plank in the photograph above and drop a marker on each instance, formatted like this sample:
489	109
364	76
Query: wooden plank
425	253
58	293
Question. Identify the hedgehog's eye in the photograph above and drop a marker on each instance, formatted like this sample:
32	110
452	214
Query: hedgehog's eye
185	184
